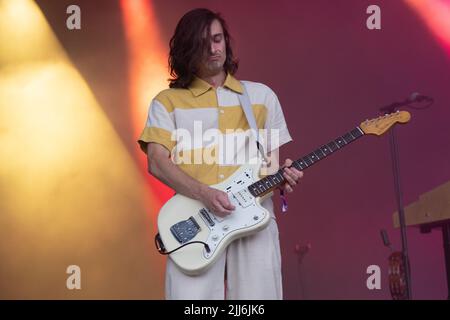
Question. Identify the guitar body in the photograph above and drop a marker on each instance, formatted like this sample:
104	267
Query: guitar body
195	237
182	220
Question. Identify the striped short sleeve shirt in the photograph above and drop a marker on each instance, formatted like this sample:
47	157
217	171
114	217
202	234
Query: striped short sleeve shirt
206	130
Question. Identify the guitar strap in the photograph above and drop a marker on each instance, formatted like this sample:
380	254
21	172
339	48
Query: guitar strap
244	99
246	105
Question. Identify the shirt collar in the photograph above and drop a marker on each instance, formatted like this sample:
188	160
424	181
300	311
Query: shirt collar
233	84
199	86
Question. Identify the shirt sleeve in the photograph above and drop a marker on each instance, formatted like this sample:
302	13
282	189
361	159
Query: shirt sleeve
277	131
159	127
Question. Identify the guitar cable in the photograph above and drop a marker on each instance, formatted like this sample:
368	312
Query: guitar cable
162	250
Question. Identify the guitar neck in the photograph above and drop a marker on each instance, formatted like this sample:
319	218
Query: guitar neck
271	182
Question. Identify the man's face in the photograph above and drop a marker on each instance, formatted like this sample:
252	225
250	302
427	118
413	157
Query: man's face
215	55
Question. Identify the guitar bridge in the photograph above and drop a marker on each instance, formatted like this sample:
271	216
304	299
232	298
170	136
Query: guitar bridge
185	230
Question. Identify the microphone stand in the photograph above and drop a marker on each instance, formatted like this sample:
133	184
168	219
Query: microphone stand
398	192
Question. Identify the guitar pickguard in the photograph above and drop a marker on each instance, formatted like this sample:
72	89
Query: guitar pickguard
246	214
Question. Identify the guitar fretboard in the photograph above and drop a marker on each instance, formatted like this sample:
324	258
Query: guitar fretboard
270	182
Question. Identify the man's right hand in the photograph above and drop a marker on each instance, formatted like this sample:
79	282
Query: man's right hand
216	201
161	166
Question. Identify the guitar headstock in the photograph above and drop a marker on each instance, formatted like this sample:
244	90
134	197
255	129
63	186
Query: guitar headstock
380	125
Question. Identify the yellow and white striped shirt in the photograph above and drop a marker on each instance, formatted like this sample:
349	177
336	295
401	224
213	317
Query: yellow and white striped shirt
203	108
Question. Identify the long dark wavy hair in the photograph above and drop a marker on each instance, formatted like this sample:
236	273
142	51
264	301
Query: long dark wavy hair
188	45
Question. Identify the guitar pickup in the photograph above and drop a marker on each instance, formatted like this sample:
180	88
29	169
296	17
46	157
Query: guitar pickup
243	198
205	215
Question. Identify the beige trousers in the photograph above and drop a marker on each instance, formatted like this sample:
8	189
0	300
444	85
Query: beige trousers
252	265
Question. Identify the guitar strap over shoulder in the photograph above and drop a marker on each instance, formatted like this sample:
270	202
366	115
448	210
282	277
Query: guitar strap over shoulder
246	105
244	99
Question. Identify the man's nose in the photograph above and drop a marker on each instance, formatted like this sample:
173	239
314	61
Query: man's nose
214	47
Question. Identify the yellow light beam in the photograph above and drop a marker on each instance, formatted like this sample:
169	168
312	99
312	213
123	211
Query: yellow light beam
70	193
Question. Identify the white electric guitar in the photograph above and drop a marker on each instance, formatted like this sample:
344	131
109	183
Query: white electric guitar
194	237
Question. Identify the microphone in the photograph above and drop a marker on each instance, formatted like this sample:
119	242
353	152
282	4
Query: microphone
417	97
414	97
